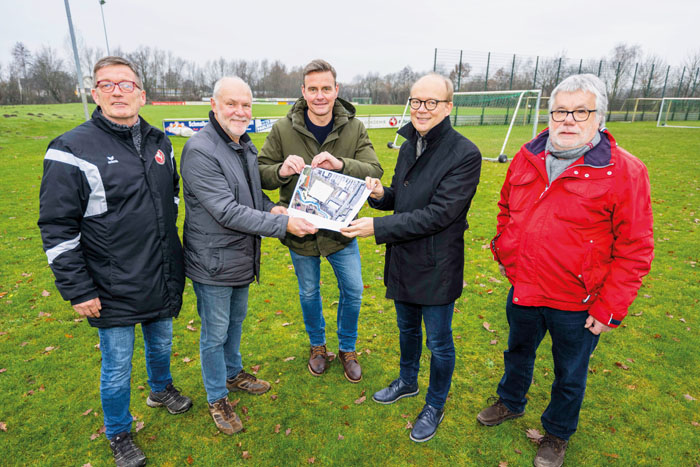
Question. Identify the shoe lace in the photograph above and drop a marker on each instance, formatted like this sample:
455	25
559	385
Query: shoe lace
557	444
173	393
245	376
347	356
317	350
125	446
225	407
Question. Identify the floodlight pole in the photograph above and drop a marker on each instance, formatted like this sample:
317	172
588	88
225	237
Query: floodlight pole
104	26
77	62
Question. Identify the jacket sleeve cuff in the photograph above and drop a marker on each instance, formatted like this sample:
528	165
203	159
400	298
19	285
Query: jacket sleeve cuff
604	316
84	298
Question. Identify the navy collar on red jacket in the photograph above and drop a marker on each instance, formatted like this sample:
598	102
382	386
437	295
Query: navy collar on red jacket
599	156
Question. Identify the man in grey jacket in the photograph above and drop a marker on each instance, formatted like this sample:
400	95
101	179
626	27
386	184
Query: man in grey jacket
226	215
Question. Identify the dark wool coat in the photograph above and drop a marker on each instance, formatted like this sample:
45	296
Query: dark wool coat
430	198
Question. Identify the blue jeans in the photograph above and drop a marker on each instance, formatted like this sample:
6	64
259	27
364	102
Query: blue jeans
222	310
117	346
572	346
348	271
438	330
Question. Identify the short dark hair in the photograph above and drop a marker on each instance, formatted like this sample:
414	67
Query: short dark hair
112	60
318	66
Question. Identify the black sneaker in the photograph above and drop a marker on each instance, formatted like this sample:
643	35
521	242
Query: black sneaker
171	399
126	453
395	391
426	424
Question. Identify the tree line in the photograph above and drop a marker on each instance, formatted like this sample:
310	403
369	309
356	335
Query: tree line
46	76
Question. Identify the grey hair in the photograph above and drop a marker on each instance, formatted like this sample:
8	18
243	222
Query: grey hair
586	82
113	60
221	81
449	87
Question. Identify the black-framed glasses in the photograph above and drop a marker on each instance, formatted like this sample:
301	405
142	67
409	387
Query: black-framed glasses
579	115
430	104
107	86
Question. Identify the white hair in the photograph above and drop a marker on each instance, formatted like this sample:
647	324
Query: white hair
586	82
228	79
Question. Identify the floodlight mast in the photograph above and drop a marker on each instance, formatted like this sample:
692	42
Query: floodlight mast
104	26
81	89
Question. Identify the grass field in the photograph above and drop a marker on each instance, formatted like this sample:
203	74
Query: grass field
642	405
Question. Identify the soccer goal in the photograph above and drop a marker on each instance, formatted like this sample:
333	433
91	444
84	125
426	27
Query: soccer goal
515	107
679	112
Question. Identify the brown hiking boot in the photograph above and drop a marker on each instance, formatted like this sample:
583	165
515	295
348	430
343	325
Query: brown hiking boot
317	360
551	452
224	417
248	383
353	371
496	413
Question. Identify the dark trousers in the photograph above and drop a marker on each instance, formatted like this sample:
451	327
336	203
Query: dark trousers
572	346
438	330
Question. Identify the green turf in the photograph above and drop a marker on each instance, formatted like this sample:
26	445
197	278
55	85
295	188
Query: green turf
642	415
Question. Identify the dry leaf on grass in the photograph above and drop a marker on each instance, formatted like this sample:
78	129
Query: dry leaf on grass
487	326
689	397
87	412
191	328
340	437
255	369
289	359
311	460
360	400
139	426
45	293
277	428
494	342
3	426
246	455
534	435
409	425
190	460
287	431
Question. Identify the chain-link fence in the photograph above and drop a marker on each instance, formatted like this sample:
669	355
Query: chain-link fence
635	89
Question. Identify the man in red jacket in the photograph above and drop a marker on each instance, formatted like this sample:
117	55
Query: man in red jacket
574	238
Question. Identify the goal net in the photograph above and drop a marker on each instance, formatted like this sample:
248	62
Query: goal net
679	112
506	108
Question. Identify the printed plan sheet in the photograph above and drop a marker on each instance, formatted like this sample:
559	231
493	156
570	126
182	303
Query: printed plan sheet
328	200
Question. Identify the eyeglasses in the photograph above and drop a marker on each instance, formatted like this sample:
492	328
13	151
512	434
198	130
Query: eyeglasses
107	86
430	104
579	115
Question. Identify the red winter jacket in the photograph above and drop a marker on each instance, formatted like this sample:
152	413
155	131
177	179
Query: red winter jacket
582	243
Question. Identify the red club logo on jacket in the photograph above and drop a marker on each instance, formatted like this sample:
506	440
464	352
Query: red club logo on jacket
160	157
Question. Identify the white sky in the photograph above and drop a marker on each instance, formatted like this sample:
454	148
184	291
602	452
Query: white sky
358	36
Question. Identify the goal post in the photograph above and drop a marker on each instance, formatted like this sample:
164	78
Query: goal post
492	108
679	112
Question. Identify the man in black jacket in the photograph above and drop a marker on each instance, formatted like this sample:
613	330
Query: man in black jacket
108	208
435	179
226	214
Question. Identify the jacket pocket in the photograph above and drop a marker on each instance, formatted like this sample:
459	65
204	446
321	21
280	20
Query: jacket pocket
584	202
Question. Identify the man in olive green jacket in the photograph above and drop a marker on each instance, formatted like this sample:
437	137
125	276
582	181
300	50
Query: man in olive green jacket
321	131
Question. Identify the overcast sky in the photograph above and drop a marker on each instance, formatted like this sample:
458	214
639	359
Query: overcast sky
358	36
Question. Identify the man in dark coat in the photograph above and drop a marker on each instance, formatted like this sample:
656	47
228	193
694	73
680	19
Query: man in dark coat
227	213
107	214
435	179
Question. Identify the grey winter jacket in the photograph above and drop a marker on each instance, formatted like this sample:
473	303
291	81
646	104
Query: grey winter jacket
224	217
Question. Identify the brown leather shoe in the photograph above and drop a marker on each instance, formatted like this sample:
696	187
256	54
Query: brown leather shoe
353	371
497	413
317	360
551	452
225	419
248	383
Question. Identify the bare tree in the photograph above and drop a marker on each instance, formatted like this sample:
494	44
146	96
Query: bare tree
50	77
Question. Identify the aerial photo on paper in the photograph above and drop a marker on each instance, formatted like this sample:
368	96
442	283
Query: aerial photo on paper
328	200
